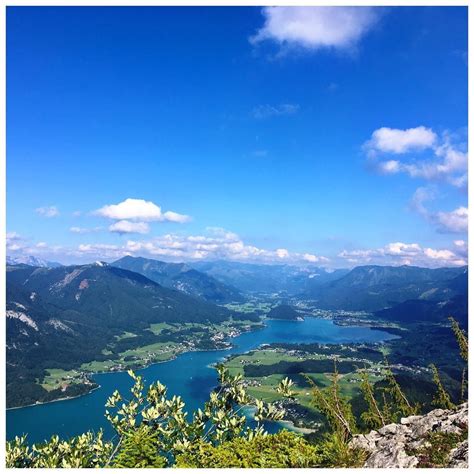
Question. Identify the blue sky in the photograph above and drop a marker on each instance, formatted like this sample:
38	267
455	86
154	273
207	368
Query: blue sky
333	137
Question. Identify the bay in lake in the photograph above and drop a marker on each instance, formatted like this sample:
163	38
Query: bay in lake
189	375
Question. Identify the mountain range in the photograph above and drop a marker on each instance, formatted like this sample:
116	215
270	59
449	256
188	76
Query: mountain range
373	288
182	277
64	316
31	260
259	278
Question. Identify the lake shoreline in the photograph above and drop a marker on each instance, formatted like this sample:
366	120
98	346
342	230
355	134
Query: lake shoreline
145	366
62	399
175	356
190	376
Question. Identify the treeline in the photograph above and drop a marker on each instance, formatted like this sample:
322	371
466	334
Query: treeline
305	366
362	351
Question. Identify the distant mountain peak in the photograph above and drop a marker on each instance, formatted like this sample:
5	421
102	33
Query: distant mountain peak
32	261
181	277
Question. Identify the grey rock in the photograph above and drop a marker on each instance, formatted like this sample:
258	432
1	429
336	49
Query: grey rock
459	456
392	446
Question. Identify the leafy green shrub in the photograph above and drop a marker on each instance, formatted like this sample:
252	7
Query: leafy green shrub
86	450
334	451
281	450
139	449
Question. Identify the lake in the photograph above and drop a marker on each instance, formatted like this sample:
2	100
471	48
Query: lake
189	375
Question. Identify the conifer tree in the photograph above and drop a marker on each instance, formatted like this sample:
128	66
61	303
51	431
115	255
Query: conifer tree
373	417
441	398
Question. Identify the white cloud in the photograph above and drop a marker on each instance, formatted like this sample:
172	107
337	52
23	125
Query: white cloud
308	257
393	140
267	111
47	211
91	248
452	221
447	161
282	253
84	230
139	210
399	253
175	217
127	227
19	246
13	236
389	167
216	243
14	242
314	28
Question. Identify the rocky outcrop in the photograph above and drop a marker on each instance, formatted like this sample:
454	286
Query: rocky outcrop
410	443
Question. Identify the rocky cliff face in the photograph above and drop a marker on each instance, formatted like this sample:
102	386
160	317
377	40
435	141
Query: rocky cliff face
437	439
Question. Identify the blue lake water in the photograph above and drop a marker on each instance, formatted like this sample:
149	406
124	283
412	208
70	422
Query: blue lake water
189	375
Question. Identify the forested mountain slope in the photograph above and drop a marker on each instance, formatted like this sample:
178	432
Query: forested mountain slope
182	277
372	288
62	317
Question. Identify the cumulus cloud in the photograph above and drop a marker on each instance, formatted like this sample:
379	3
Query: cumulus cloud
400	253
267	111
47	211
454	221
446	161
316	28
445	222
215	243
139	210
128	227
393	140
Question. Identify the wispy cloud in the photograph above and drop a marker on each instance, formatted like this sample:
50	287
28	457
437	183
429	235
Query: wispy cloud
127	227
455	221
47	211
266	111
14	242
85	230
215	243
314	28
400	253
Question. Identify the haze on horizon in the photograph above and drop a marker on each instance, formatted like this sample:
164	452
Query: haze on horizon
226	134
